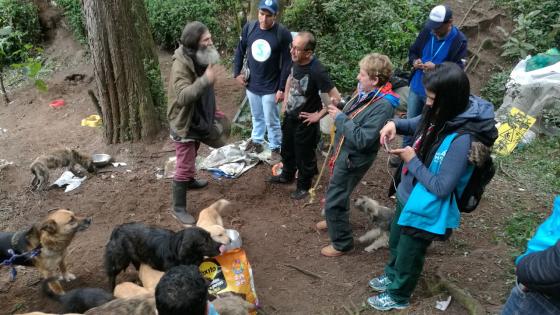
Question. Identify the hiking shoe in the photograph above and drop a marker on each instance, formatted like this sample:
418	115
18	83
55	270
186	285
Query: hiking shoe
321	225
330	251
254	147
384	302
380	283
279	179
299	194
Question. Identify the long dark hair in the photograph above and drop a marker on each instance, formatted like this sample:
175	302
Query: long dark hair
452	89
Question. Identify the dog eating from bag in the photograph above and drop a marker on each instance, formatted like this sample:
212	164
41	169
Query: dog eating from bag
380	218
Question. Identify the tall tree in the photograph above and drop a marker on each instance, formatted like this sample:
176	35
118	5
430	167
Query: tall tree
126	68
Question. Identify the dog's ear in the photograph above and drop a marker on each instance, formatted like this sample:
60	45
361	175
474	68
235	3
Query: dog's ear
32	236
49	226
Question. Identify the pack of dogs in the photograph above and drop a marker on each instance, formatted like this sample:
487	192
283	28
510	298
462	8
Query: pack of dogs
151	250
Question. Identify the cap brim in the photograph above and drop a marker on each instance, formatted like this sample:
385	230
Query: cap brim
267	9
433	25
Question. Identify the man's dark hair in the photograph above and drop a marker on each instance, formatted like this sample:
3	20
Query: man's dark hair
191	35
310	41
182	290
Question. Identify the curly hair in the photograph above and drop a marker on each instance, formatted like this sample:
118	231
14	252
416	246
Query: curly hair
182	290
377	66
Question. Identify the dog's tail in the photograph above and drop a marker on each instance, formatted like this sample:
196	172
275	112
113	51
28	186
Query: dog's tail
220	205
47	290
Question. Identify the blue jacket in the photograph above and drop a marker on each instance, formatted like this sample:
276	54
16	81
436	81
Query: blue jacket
457	51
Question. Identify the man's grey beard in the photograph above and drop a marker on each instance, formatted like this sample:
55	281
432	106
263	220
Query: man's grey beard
207	56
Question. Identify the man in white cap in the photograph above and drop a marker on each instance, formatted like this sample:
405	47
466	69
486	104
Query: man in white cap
266	44
439	41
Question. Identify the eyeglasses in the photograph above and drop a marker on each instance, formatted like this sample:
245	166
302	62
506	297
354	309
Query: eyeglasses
297	48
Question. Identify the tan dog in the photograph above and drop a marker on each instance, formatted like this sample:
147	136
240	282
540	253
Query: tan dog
210	219
149	277
51	238
59	158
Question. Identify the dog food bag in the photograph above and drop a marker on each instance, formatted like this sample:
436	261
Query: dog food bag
230	272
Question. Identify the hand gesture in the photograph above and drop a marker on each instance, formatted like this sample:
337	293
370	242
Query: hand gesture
333	111
310	118
406	154
388	132
241	80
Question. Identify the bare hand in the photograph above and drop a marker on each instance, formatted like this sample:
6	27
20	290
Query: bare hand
279	96
310	118
388	132
241	80
406	154
210	74
429	66
333	111
417	64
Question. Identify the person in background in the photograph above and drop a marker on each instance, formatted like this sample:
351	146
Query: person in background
303	110
191	111
439	41
438	165
355	146
265	43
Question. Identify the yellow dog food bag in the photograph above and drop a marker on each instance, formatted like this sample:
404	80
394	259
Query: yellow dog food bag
230	272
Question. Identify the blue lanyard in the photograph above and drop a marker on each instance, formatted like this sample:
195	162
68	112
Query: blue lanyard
437	51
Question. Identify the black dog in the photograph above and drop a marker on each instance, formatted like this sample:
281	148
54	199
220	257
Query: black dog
77	300
159	248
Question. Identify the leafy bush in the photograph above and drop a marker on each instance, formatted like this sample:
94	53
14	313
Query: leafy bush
495	88
347	30
75	18
168	17
19	22
520	228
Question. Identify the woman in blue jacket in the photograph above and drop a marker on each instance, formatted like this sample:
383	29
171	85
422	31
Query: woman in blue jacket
453	131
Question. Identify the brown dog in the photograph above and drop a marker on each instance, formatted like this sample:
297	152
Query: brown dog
210	219
49	239
59	158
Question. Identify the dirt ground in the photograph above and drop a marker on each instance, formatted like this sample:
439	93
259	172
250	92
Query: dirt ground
276	230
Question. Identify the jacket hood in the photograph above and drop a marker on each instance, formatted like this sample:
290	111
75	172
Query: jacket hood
180	56
478	121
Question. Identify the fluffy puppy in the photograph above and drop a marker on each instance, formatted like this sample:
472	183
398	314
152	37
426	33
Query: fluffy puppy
380	217
77	300
149	278
51	238
159	248
127	290
231	304
141	305
60	158
210	219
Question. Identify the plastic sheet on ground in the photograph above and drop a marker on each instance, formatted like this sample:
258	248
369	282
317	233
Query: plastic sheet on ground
69	180
534	93
231	161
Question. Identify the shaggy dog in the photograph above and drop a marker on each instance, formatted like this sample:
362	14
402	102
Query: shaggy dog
60	158
210	219
50	239
380	217
159	248
77	300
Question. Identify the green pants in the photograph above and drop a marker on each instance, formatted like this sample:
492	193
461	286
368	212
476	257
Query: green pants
406	260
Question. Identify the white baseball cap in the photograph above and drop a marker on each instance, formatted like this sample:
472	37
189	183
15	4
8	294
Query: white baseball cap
440	14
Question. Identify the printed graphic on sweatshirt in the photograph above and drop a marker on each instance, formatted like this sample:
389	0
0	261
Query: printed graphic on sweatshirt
297	98
261	50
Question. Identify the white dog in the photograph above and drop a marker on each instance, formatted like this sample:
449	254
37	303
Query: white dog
380	217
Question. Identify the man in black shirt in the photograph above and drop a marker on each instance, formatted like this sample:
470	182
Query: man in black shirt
309	91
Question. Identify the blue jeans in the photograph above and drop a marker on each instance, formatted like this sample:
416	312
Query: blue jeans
266	118
521	303
414	108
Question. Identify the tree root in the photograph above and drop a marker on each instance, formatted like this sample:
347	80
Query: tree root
441	283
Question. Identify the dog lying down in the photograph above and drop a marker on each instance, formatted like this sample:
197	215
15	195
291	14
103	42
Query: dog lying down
77	300
60	158
210	219
380	218
159	248
51	237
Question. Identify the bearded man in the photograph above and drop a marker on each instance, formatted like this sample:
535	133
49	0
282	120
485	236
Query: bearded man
191	111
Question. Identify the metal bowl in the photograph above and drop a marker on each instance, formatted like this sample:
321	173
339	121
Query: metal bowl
101	159
235	240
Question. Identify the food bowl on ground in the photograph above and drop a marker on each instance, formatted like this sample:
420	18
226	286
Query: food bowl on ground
101	159
235	240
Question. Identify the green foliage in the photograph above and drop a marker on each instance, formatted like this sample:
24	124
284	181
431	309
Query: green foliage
31	65
347	30
168	17
156	87
537	26
495	88
75	18
19	25
520	227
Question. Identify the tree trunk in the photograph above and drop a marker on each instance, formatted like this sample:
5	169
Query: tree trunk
6	99
124	59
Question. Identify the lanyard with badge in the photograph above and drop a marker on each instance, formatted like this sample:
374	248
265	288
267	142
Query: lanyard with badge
433	55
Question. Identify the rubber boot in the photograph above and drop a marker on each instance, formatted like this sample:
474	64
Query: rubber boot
179	208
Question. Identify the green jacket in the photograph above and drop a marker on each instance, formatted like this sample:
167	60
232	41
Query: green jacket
361	134
184	92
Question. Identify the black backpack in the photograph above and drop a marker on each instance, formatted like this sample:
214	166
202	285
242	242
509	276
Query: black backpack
472	194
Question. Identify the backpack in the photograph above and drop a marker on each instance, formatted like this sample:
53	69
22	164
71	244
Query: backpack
472	194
